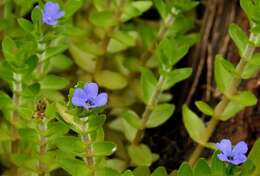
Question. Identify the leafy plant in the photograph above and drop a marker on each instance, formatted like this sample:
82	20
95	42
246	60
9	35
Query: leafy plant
227	78
121	68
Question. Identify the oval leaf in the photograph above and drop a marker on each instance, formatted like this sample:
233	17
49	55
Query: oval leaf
160	114
192	123
110	80
204	107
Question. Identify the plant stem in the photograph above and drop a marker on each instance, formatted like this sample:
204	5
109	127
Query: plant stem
17	89
42	127
89	158
148	110
158	89
221	106
160	35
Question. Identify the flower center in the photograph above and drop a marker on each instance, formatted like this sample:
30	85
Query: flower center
90	102
230	157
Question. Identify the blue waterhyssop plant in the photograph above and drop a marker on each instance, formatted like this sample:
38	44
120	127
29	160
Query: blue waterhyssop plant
236	155
88	97
51	13
124	67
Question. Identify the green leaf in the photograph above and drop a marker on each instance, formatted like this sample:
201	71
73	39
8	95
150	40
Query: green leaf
184	170
140	155
56	129
25	161
60	62
103	18
111	80
53	82
53	51
201	168
134	9
9	48
254	157
71	6
117	164
251	67
185	5
245	98
127	173
228	66
36	15
171	50
142	6
107	172
239	37
99	4
182	24
125	37
70	144
247	168
74	167
26	25
29	135
231	110
160	171
132	118
217	166
120	124
5	101
223	77
141	171
176	76
162	8
148	83
25	112
96	122
83	59
115	46
103	148
250	9
147	34
160	114
192	123
204	107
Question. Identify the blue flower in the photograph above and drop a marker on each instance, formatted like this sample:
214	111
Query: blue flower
51	13
234	156
88	97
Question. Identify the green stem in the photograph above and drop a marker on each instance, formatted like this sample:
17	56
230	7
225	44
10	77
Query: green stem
221	106
160	35
39	71
8	5
89	158
158	89
42	128
148	110
17	89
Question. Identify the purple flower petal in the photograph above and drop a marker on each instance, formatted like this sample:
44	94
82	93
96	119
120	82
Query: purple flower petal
51	8
91	90
222	157
76	101
225	146
238	159
80	94
59	14
240	148
51	13
101	100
